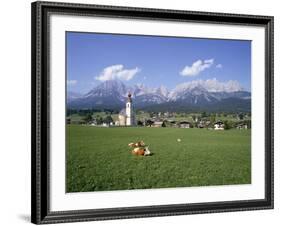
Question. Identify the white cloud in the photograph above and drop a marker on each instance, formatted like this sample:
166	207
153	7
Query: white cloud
197	67
219	66
71	82
117	72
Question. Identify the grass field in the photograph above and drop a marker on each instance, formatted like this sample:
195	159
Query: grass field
99	159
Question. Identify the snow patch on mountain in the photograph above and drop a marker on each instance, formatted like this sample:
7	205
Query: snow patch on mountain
211	85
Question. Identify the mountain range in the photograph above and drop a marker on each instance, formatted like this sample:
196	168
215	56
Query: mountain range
198	95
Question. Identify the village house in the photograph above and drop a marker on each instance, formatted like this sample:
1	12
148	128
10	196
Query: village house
184	124
201	125
242	126
172	123
93	123
219	126
104	124
157	124
167	114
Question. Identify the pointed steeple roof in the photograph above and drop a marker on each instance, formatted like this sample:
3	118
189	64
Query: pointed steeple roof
129	97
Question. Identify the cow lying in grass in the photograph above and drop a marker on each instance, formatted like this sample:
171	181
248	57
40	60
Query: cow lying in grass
139	148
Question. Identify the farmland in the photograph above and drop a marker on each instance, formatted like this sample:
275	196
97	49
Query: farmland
99	159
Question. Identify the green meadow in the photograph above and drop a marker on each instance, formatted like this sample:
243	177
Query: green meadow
99	159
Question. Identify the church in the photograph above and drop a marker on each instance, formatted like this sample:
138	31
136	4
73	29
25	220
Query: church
126	116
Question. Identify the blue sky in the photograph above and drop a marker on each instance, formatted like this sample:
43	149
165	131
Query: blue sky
153	60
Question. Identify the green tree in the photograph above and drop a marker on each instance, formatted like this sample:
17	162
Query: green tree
226	124
203	114
241	116
88	118
149	122
99	120
108	119
139	123
212	118
229	124
193	117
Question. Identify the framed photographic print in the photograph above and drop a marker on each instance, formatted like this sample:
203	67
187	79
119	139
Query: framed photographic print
142	112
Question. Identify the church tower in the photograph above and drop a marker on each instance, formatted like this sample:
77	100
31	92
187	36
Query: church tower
129	111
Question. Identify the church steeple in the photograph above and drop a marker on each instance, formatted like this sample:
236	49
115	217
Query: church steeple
129	111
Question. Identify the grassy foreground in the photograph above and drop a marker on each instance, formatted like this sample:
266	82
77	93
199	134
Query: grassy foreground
99	159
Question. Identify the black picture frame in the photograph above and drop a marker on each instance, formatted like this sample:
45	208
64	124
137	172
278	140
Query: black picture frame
40	211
